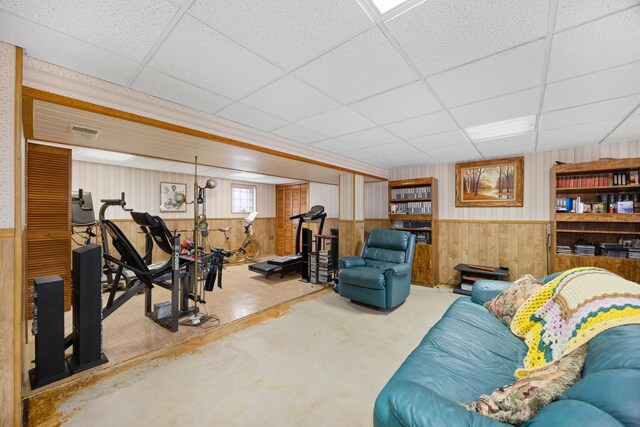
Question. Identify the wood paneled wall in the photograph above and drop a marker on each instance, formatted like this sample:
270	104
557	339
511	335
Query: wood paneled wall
7	360
536	182
264	230
142	188
520	246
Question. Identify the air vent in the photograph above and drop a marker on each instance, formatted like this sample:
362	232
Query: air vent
84	132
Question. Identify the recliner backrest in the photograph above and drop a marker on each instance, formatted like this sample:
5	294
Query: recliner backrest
387	246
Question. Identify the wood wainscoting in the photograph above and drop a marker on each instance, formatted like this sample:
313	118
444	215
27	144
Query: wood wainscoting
372	223
264	230
519	245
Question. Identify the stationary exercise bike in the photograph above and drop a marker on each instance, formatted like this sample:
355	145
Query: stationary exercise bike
249	249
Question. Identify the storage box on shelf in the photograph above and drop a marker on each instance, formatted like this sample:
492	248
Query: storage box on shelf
596	216
413	207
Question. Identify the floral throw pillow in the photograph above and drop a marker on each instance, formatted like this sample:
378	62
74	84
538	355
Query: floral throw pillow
505	305
519	402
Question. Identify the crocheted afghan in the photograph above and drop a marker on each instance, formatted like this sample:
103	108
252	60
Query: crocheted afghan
570	310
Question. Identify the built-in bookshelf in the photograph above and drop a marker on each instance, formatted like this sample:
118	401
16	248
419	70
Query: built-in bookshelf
596	216
413	207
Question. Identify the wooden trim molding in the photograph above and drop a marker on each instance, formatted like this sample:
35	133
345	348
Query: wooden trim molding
32	93
18	247
7	233
501	221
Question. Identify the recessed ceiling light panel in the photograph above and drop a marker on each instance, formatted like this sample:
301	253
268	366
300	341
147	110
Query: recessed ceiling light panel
502	129
246	175
101	156
384	6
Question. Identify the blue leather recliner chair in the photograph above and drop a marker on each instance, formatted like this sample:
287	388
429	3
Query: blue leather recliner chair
381	276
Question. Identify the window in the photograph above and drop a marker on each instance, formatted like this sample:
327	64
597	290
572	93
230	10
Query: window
243	198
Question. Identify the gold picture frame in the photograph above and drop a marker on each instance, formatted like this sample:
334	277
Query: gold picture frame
490	183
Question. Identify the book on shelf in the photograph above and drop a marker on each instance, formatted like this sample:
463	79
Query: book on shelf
598	179
410	208
411	193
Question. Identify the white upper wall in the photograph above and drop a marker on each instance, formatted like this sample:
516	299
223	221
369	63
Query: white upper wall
142	191
7	129
326	195
537	187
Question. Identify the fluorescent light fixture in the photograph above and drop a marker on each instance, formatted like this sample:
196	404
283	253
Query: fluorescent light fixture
502	129
99	156
246	175
384	6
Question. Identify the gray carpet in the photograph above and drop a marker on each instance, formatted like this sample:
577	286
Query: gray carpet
323	363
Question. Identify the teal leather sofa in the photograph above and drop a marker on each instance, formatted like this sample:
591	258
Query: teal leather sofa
469	352
381	276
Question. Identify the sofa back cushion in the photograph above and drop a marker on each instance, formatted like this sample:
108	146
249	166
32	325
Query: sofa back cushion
387	245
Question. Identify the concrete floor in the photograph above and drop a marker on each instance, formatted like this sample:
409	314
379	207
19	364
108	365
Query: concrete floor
321	363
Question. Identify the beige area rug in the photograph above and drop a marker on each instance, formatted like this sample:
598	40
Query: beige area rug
322	363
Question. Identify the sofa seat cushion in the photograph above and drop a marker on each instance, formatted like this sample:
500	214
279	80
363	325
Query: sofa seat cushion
469	352
366	277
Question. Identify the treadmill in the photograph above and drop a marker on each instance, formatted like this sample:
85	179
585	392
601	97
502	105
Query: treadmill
292	263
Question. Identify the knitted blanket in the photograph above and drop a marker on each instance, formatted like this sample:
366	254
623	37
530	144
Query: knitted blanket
570	310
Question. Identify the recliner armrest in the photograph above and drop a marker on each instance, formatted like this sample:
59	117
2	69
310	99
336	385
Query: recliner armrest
399	269
486	290
415	405
351	261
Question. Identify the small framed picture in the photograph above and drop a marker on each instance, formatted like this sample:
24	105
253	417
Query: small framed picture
168	201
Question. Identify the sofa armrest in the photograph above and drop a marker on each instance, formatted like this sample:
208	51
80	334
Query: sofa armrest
351	261
485	290
414	405
398	269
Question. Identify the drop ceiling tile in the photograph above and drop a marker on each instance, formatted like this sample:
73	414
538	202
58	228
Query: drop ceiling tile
425	143
599	86
613	108
290	99
59	49
574	136
516	69
199	55
186	168
299	133
629	130
438	35
383	163
423	125
509	146
249	116
368	138
409	159
604	43
518	104
332	145
455	153
166	87
575	12
337	122
397	149
402	103
128	28
148	163
290	33
360	68
360	155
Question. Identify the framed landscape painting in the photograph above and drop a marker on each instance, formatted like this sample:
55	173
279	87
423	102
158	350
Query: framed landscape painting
490	183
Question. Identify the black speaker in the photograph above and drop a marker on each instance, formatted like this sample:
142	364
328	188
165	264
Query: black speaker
48	329
87	309
307	242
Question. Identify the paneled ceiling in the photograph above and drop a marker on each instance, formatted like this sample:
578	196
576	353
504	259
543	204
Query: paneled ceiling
391	90
126	143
